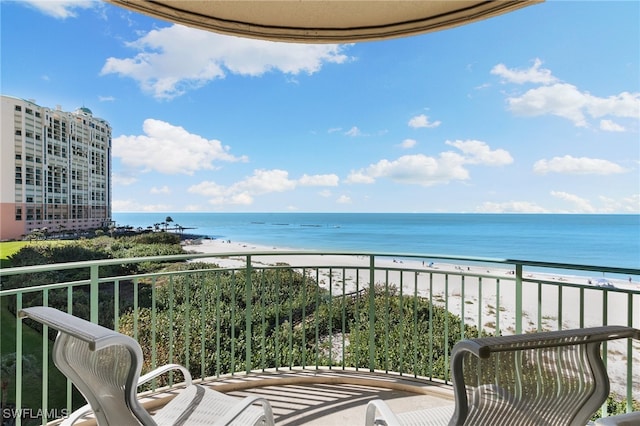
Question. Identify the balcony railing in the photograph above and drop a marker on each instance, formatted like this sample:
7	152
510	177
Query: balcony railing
394	313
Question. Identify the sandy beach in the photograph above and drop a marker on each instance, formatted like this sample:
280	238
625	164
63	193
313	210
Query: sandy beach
489	305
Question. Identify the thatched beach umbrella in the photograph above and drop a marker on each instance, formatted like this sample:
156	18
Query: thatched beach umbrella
323	21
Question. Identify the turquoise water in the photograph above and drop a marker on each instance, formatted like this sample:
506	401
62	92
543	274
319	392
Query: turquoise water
600	240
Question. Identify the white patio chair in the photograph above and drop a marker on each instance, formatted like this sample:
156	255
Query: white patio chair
105	367
549	378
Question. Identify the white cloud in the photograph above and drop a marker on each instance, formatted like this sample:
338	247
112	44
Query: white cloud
135	206
106	98
261	182
123	180
422	120
479	152
580	166
319	180
165	69
264	182
359	177
61	9
630	204
610	126
344	199
243	192
511	207
242	198
565	100
162	190
420	169
416	169
578	204
408	143
581	205
170	149
325	193
535	74
208	189
623	105
353	132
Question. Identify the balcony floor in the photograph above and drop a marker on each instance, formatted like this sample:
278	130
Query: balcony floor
326	397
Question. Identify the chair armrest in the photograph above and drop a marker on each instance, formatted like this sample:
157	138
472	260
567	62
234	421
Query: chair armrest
387	415
484	346
243	405
163	369
96	336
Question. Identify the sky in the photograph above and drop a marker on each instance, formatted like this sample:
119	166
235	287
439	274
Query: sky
535	111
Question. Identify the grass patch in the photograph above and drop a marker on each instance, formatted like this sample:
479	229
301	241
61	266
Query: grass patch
9	248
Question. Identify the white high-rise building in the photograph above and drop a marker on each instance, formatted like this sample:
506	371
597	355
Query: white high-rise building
55	169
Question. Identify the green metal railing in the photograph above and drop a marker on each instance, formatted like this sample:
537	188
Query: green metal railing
397	313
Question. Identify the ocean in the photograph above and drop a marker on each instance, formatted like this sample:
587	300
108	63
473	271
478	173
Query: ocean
599	240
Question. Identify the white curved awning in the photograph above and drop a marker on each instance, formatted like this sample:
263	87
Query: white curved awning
322	21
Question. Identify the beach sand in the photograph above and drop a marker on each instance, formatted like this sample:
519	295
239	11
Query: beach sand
544	306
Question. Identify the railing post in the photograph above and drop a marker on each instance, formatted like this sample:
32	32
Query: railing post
248	302
45	363
629	355
93	295
19	354
372	312
518	298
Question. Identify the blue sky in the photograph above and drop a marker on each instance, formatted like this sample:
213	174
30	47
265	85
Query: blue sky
534	111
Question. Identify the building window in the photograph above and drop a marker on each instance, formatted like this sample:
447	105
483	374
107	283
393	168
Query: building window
18	108
18	213
18	132
28	111
18	156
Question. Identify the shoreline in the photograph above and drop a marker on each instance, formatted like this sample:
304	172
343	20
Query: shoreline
489	306
205	244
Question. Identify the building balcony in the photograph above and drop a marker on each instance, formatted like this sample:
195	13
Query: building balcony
319	334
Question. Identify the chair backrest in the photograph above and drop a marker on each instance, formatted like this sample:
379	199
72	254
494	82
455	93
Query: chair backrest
549	378
104	365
